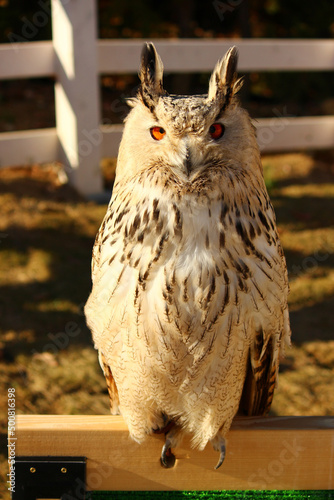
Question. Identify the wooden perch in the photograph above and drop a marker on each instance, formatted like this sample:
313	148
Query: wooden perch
262	453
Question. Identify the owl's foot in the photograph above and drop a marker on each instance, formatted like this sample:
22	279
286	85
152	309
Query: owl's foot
219	444
165	429
167	458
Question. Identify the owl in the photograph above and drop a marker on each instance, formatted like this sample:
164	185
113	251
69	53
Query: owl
188	308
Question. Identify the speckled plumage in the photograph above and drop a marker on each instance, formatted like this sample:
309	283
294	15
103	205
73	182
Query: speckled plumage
189	302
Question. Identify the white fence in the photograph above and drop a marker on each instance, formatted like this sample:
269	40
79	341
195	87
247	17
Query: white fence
76	58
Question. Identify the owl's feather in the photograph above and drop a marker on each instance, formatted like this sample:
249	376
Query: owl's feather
111	385
189	302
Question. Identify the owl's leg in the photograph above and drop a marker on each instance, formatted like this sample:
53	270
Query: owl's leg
167	458
219	444
165	426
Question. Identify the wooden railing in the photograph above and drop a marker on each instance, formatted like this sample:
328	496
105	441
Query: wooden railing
273	453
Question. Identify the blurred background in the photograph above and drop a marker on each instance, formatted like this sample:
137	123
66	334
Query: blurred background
47	228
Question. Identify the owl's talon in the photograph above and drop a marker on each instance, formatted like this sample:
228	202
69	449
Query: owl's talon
167	458
222	449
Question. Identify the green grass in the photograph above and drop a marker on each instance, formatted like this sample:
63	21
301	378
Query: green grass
213	495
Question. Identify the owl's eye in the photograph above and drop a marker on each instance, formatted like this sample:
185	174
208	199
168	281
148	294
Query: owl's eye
217	130
157	133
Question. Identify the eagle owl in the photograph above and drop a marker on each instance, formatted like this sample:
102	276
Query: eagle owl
188	309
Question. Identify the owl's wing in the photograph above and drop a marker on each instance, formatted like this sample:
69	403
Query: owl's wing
112	389
262	371
260	378
264	353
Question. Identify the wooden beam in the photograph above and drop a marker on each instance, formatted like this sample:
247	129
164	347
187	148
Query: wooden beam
35	59
200	55
262	453
282	133
28	146
112	135
77	97
26	60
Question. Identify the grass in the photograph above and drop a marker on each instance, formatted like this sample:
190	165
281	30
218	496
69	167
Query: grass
46	236
214	495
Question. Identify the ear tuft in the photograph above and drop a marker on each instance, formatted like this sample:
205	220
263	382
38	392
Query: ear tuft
151	74
229	66
223	82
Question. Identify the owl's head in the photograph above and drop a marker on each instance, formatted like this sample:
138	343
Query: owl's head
186	134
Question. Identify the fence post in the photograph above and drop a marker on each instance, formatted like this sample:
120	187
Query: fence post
74	25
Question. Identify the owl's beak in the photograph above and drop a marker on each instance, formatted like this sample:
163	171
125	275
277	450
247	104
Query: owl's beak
188	161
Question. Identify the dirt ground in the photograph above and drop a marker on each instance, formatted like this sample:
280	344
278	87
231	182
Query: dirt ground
46	236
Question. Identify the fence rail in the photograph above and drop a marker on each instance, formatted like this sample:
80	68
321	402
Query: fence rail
38	59
75	58
262	453
194	55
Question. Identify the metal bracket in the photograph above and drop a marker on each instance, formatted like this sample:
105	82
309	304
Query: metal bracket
50	477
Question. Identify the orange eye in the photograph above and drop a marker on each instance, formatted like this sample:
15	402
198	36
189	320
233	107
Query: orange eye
217	130
157	133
